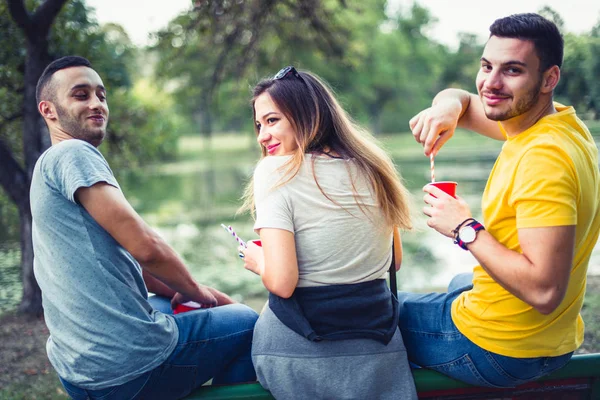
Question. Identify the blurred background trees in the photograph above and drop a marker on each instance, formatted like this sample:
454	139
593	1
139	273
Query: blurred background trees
196	77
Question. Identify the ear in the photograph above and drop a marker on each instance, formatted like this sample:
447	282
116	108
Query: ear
550	79
47	109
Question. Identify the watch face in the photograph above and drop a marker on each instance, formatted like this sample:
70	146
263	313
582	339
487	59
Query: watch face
467	234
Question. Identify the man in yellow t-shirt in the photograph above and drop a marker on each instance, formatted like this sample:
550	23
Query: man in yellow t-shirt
517	317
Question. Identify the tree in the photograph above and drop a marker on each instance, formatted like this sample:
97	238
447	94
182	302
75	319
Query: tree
223	40
14	178
391	67
28	42
460	68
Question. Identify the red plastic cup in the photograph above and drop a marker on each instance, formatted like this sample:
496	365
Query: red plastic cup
256	242
447	186
189	306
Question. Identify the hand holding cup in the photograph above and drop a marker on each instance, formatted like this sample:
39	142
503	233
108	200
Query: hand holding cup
253	256
444	208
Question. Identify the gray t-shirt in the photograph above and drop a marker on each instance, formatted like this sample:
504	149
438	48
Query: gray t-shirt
103	331
335	243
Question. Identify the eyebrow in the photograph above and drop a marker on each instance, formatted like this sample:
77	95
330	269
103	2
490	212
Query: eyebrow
511	62
267	114
87	86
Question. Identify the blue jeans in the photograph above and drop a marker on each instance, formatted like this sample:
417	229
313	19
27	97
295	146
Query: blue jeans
433	341
213	343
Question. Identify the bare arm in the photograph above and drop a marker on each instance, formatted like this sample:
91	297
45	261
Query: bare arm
157	287
540	275
397	249
275	262
107	205
451	108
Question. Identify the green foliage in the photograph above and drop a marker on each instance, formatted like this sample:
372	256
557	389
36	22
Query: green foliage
12	53
579	85
462	66
212	55
146	130
387	70
9	227
142	123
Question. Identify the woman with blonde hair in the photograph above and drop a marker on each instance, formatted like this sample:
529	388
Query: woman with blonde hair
327	199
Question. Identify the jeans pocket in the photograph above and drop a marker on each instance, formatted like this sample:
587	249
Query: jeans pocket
126	391
522	370
463	369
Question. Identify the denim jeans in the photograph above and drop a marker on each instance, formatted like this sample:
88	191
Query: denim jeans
213	343
433	341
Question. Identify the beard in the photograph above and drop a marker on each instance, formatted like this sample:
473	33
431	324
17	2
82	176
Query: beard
76	128
523	104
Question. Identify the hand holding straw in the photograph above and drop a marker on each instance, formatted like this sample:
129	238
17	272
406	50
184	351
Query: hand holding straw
235	236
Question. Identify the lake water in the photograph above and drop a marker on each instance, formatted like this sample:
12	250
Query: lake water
188	200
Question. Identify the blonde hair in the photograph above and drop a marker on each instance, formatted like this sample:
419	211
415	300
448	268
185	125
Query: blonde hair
321	123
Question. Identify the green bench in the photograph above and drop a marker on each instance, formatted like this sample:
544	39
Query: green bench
579	379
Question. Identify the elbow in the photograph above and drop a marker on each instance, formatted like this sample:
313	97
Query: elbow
148	249
284	293
284	289
547	301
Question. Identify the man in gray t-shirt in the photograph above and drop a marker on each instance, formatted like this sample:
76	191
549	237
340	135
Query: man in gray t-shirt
96	260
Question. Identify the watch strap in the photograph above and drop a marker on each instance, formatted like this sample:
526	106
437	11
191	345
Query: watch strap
476	225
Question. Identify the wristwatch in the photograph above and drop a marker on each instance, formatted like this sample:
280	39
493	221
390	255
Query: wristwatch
468	233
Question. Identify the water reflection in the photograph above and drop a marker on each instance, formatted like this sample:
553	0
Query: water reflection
188	200
10	276
188	207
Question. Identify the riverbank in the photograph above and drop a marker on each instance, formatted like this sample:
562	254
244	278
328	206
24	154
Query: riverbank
25	372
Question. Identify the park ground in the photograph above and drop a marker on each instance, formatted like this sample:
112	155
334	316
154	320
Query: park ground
26	373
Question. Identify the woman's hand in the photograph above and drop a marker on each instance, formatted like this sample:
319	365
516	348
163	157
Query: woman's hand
254	258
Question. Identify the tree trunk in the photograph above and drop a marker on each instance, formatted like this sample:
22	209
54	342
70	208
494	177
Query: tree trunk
35	141
31	302
36	28
206	123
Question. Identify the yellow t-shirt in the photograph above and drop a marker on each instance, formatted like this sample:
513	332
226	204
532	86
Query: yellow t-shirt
545	176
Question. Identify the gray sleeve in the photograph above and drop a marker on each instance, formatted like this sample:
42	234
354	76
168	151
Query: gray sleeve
273	206
74	164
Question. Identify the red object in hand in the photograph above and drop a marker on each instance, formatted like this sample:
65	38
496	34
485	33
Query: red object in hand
446	186
189	306
257	242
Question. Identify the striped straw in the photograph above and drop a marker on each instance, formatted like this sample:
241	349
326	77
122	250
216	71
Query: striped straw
432	168
236	237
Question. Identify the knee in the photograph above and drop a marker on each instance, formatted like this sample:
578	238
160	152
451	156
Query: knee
244	315
461	281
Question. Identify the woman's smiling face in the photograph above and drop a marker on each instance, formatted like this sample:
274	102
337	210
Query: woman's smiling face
275	132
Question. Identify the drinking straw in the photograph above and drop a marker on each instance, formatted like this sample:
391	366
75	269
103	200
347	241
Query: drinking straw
235	236
432	168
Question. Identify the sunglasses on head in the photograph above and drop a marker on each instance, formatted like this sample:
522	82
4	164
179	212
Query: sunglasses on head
287	71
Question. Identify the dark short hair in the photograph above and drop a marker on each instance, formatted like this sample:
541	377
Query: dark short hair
54	66
546	38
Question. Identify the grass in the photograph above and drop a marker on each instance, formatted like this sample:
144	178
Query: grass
42	387
591	316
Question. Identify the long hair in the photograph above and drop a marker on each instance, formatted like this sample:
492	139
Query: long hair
321	123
